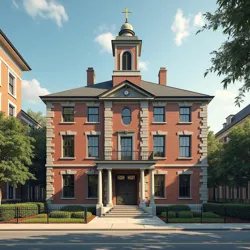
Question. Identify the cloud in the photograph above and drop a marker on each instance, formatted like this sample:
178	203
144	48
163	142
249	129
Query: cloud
32	90
198	20
15	4
104	40
180	27
143	65
46	9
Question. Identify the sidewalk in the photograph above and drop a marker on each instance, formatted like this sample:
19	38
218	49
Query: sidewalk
124	224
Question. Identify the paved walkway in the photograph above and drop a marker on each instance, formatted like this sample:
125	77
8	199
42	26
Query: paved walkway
129	224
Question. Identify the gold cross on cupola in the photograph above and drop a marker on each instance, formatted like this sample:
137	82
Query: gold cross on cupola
127	11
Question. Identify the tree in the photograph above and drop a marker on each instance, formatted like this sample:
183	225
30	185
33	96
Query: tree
232	59
16	152
38	116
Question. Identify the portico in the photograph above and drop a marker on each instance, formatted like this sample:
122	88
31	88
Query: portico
126	185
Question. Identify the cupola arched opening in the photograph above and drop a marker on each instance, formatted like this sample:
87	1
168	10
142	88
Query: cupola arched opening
126	61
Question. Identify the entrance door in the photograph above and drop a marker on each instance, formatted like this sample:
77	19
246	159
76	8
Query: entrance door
126	189
126	148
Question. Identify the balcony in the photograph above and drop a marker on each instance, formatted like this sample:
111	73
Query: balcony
126	156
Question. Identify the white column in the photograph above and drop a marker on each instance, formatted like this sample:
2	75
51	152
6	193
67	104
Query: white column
110	203
100	186
152	186
142	182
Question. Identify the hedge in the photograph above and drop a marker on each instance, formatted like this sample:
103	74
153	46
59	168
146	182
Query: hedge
171	214
210	215
174	208
241	211
78	208
8	211
60	214
185	214
80	215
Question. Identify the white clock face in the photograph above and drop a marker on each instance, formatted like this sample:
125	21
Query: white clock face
126	92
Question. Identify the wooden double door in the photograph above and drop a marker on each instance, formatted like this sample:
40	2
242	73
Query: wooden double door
126	189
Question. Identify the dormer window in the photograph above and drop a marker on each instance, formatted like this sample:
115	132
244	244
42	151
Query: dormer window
126	61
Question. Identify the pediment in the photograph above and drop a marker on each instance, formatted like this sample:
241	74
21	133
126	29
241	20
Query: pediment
126	90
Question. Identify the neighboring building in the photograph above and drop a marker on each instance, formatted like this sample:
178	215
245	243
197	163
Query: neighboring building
126	140
226	193
12	65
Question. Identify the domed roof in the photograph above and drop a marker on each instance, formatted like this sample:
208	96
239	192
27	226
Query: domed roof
126	30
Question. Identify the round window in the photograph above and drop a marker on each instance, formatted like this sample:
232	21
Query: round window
126	116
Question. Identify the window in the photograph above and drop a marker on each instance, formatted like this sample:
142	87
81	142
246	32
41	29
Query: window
93	146
159	185
185	146
126	61
68	186
11	110
185	114
92	186
159	114
159	146
68	146
11	84
68	114
126	116
184	185
10	192
93	114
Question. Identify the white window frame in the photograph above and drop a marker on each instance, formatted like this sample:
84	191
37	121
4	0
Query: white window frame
69	173
87	134
10	72
14	192
12	104
164	197
190	173
91	198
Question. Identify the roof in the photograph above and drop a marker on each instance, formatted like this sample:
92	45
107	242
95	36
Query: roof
13	47
32	120
153	88
237	118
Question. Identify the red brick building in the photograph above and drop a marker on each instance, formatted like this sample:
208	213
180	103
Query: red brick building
126	140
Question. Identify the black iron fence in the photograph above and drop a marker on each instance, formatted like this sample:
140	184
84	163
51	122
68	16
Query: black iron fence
126	155
207	213
44	215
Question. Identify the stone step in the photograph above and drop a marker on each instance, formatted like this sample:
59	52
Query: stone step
127	216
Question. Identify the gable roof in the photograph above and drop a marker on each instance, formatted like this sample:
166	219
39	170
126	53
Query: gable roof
100	88
237	118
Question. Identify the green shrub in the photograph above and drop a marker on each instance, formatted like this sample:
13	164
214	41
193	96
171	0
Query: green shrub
160	209
178	208
92	210
59	214
241	211
41	216
171	214
73	208
80	215
196	214
7	212
185	214
210	215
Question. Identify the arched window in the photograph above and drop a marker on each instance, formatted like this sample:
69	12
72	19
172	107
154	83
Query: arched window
126	116
126	61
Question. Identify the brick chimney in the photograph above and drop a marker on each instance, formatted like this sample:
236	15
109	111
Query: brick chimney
90	76
162	76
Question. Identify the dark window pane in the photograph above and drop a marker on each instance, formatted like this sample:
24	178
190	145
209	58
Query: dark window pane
159	115
92	186
159	146
159	185
126	148
93	146
68	114
126	61
11	110
68	146
126	116
185	114
68	186
93	114
11	192
184	185
185	146
11	84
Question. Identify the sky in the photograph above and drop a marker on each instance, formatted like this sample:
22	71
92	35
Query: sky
60	39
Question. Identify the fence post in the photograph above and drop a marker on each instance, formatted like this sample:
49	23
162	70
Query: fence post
166	214
85	215
47	210
225	214
201	212
17	215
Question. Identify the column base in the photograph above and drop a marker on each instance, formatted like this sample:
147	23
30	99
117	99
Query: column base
99	209
142	204
109	205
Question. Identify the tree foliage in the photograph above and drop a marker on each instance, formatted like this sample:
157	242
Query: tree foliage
229	163
16	152
232	59
38	116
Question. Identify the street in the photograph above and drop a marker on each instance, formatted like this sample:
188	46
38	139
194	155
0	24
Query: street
41	240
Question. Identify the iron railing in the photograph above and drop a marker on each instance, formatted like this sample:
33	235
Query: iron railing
126	156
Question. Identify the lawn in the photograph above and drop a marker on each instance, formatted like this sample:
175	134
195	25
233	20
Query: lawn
195	220
53	220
